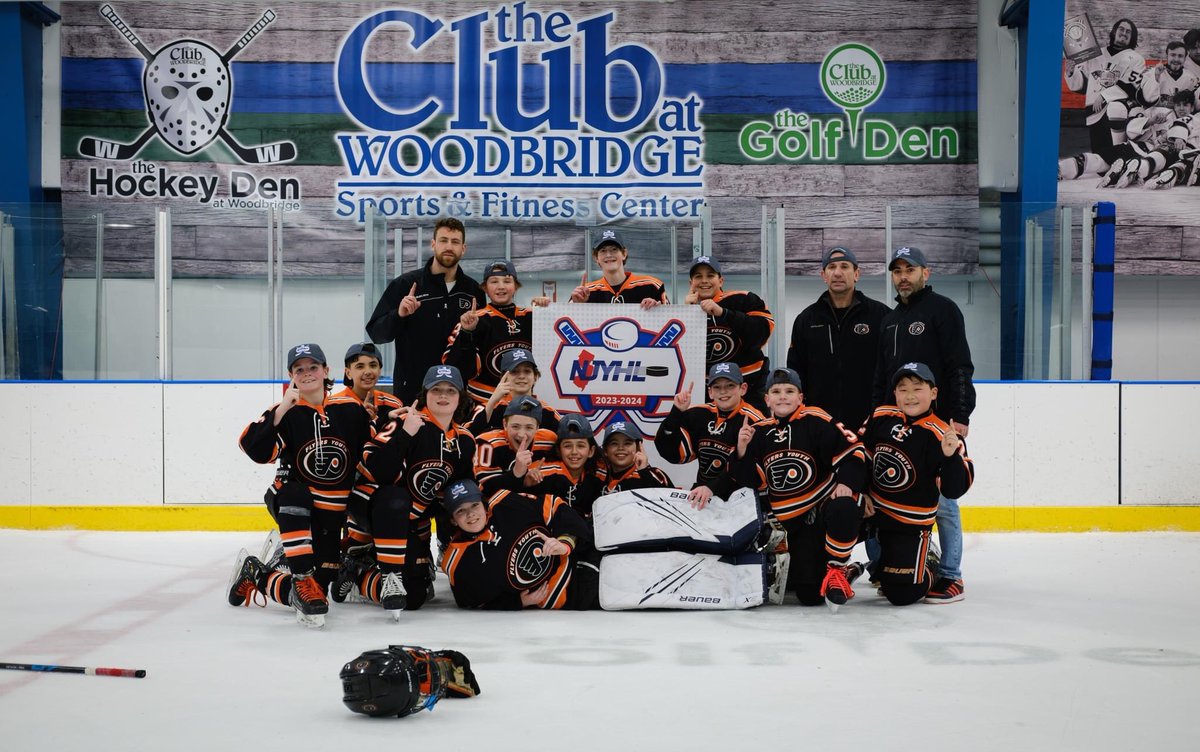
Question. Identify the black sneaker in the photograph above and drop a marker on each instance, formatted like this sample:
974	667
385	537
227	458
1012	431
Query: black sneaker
945	590
248	584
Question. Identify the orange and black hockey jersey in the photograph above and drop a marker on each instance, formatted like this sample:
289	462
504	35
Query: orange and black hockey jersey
385	403
480	423
909	468
317	445
490	569
635	289
579	492
632	478
799	459
494	459
422	463
739	334
702	433
477	353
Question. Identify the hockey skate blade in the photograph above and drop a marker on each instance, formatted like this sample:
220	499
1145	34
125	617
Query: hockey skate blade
312	621
833	607
395	613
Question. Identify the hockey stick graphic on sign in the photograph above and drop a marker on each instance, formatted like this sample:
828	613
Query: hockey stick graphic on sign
132	673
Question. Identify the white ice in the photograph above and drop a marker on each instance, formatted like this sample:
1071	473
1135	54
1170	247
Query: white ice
1064	642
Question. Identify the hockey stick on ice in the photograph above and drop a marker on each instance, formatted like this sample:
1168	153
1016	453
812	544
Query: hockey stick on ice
50	669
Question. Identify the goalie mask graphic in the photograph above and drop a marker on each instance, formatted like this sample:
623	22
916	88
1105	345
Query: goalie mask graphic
188	86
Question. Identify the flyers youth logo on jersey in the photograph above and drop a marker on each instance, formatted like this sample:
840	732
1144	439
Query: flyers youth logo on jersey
527	564
788	472
323	460
425	479
892	471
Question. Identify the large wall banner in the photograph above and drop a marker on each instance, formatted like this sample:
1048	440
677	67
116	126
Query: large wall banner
1130	128
555	115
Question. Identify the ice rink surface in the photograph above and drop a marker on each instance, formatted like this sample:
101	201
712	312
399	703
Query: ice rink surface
1064	642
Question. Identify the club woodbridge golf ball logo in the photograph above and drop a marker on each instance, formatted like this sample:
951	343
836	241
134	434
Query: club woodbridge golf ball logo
852	77
187	86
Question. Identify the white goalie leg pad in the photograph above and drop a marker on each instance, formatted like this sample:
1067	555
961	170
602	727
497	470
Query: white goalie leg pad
674	579
661	519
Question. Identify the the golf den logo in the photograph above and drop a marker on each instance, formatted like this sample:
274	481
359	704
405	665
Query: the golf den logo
187	86
852	77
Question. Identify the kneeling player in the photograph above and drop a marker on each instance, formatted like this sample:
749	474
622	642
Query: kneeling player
813	470
573	473
916	456
518	551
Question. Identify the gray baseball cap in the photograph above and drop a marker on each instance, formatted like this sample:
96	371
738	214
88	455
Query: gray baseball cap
574	426
920	370
911	254
308	350
838	253
622	427
525	405
460	493
725	371
440	374
514	358
708	261
783	376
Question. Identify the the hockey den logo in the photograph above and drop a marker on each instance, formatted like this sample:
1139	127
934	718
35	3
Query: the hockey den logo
852	77
617	365
187	87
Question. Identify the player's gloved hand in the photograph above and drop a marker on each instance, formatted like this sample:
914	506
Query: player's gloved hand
460	680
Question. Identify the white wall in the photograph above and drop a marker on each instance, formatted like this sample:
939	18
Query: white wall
1046	444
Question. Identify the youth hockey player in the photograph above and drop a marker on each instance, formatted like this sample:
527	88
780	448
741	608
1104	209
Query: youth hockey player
518	551
813	470
510	457
739	324
916	455
316	440
573	474
363	366
625	464
519	375
708	433
1158	139
399	489
618	285
481	337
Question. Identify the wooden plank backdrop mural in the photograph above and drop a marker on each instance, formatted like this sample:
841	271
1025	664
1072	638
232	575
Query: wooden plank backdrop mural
746	60
1158	231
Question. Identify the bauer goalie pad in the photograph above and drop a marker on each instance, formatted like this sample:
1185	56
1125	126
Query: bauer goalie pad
661	519
674	579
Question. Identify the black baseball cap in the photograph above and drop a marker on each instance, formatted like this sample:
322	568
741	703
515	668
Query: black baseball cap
623	427
725	371
907	253
608	237
460	493
440	374
525	405
363	348
838	253
920	370
514	358
708	261
783	376
308	350
575	426
501	268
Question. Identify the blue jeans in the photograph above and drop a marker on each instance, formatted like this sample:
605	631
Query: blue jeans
950	538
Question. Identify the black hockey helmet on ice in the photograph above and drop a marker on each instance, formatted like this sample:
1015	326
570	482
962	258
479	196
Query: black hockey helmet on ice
398	681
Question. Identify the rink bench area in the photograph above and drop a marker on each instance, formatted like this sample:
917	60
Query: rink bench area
1049	456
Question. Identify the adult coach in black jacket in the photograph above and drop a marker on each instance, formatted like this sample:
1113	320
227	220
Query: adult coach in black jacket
419	309
835	343
928	328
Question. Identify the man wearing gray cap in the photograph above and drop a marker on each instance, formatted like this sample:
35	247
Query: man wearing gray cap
928	328
835	342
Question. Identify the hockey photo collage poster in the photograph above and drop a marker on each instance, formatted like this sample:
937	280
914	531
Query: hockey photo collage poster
539	119
1124	136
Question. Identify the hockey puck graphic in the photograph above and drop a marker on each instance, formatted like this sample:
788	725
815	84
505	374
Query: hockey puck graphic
657	370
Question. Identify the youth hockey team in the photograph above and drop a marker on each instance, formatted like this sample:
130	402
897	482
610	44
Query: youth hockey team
872	453
1141	120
